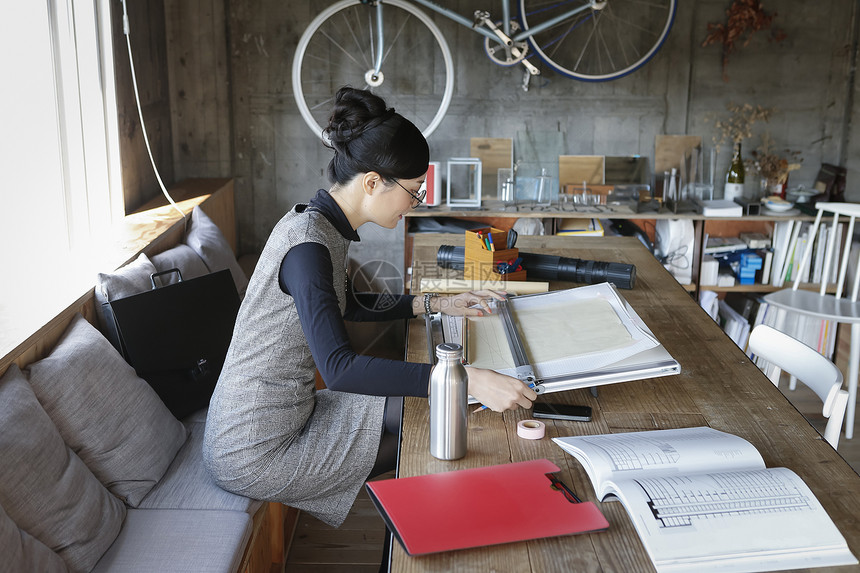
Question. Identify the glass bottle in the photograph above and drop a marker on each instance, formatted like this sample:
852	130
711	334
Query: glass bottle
543	194
449	403
735	176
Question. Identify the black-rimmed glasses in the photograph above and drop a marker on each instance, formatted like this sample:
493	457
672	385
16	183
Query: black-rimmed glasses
418	198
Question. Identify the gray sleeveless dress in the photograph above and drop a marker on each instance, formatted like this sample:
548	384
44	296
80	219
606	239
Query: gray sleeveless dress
269	434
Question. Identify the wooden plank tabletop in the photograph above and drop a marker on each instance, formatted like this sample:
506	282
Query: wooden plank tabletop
718	387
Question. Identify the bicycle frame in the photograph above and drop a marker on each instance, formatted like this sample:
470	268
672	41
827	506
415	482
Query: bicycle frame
460	19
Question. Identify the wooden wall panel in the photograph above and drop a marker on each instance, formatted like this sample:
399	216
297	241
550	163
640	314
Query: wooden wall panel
276	162
146	20
199	82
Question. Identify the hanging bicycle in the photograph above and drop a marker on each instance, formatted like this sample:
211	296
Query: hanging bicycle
394	49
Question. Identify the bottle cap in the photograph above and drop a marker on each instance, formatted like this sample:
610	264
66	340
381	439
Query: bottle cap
449	351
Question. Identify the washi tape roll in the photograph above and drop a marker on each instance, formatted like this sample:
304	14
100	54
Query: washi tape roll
531	429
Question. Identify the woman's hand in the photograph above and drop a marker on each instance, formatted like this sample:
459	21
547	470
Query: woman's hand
458	305
497	391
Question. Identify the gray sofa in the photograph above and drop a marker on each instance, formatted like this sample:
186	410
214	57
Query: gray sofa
96	473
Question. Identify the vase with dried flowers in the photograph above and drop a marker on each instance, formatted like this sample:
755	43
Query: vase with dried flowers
737	127
774	166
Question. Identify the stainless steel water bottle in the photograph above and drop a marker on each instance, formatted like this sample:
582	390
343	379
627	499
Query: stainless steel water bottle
449	401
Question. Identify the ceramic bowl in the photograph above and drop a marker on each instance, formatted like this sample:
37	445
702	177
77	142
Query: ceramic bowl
777	204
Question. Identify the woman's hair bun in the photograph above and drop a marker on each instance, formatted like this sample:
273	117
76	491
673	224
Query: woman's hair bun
355	112
366	135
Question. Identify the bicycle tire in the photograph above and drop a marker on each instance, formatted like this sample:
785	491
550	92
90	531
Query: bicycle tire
602	43
337	49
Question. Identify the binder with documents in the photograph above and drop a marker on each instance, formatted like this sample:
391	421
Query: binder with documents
480	506
641	357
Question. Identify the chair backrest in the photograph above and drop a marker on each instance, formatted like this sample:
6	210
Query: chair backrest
808	366
831	241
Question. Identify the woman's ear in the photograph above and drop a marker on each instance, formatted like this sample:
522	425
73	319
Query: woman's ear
371	182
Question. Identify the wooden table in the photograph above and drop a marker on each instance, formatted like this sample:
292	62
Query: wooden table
718	387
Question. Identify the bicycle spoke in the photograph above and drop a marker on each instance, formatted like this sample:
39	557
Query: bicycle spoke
356	36
371	38
324	105
394	40
346	53
587	43
601	39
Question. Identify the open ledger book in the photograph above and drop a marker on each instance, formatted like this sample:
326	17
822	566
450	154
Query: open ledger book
701	498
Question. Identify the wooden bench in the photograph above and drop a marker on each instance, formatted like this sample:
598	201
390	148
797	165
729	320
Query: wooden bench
154	228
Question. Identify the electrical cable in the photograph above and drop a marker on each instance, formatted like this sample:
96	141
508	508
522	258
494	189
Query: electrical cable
126	30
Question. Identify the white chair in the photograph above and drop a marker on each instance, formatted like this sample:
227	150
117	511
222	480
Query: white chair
835	307
783	352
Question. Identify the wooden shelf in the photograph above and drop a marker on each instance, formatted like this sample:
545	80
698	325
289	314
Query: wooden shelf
495	213
743	288
758	287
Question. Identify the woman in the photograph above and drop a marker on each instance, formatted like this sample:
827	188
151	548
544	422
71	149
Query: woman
269	434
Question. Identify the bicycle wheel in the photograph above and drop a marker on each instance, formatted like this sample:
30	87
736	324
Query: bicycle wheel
340	47
608	40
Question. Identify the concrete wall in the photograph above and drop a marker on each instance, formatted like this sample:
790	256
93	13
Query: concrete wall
244	106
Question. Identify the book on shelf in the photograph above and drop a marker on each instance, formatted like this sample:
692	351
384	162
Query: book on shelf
818	254
767	258
580	227
791	239
734	324
746	304
704	499
782	232
755	240
814	332
714	245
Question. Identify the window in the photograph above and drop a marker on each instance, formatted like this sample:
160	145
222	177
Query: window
59	148
60	190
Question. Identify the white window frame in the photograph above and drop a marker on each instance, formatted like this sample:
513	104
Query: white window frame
61	195
87	113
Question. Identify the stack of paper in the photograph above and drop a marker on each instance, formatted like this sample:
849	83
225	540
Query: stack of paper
709	271
720	208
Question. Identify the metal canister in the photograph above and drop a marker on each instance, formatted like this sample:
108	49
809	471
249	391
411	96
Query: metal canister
449	402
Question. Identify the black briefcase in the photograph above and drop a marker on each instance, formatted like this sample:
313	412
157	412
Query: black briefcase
176	336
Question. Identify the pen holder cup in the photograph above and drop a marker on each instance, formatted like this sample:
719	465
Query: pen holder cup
487	257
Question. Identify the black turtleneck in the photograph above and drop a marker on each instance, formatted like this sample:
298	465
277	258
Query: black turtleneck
306	275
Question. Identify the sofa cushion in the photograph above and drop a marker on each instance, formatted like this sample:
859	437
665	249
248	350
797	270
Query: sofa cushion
127	280
22	552
45	488
187	484
203	541
112	419
206	239
180	257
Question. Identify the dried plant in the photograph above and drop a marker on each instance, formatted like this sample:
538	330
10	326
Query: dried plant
773	166
738	126
744	18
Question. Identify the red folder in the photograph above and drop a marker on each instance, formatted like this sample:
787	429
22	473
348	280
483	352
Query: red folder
480	506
